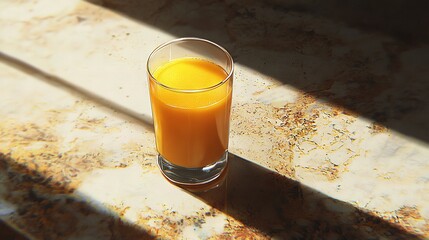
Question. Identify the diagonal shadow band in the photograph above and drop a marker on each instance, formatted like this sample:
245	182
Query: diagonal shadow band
263	200
285	209
45	209
348	53
144	120
256	196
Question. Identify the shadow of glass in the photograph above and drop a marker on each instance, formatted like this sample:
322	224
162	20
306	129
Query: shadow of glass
256	196
45	209
283	208
350	53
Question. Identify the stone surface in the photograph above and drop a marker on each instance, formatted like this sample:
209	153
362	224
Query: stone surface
329	131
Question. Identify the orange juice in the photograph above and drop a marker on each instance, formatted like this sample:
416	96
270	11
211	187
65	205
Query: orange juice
191	107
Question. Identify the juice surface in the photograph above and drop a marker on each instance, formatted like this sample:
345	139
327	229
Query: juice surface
190	73
191	128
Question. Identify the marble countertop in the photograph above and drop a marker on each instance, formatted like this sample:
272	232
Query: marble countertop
329	136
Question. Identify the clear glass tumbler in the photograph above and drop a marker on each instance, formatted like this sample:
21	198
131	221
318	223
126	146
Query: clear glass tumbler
190	86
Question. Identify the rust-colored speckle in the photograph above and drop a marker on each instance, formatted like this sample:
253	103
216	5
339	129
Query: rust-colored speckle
281	127
331	172
147	153
378	128
409	217
87	124
236	230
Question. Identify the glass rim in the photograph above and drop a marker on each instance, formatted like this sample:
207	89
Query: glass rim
189	39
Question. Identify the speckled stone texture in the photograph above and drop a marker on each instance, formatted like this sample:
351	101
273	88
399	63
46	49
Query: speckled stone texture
329	130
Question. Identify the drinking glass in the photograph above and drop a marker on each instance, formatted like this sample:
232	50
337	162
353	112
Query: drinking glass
191	123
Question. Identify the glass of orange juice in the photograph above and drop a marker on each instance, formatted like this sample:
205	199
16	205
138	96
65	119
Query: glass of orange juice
190	86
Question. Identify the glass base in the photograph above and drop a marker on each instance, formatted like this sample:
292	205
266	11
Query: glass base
192	176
